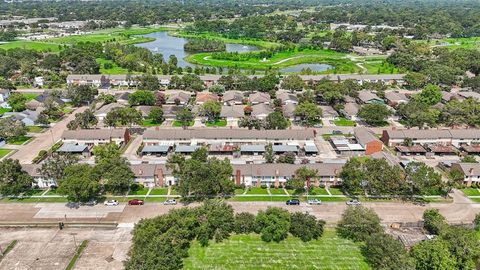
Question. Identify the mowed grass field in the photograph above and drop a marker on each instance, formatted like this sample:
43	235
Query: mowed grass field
281	60
250	252
125	36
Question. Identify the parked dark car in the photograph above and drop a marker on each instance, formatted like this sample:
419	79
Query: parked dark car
293	202
135	202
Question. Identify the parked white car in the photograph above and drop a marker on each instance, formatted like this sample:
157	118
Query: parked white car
170	202
353	202
111	203
314	202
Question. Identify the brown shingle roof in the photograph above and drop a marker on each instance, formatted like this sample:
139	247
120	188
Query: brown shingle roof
93	134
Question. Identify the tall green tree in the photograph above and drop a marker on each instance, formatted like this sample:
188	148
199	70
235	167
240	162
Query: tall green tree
383	252
374	114
83	120
309	113
293	83
358	223
81	183
13	179
211	109
276	120
54	166
273	224
306	226
17	101
430	95
185	117
156	115
202	179
81	94
432	255
142	97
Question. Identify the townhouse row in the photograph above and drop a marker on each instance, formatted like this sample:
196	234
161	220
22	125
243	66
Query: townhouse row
159	175
132	80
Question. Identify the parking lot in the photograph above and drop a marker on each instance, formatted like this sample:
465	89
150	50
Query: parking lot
46	249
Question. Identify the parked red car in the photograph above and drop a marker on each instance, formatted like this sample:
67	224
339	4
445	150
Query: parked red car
135	202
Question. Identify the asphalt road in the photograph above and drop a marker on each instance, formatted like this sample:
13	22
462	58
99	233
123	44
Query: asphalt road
460	210
44	140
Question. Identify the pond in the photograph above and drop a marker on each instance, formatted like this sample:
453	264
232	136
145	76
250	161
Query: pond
312	67
169	45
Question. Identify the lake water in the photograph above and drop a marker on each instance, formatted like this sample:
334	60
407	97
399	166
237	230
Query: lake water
170	45
313	67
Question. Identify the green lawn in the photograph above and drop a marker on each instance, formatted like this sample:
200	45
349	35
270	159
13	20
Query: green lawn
335	191
471	192
4	152
149	123
30	96
52	192
250	252
35	200
254	42
4	110
318	191
35	129
18	140
114	69
239	191
124	36
154	199
379	67
281	60
217	123
31	45
328	199
180	124
277	191
34	192
159	191
261	198
140	191
257	190
344	122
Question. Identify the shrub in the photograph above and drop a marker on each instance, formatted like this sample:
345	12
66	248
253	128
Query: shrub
358	223
244	223
306	226
434	222
382	251
273	224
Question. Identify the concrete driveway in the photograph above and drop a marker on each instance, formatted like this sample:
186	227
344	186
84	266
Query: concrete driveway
44	140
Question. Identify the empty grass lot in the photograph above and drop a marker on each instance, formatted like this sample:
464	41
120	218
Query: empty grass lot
250	252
